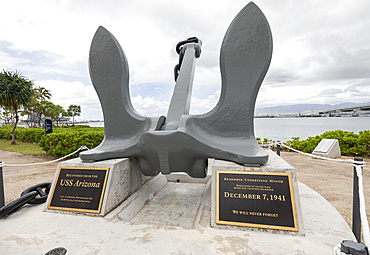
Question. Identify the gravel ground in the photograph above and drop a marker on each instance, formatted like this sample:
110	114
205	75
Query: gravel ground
331	179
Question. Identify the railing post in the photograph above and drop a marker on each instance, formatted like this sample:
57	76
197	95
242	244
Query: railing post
356	218
2	197
278	148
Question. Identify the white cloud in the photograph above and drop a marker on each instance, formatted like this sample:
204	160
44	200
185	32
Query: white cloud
149	106
10	60
76	93
199	106
319	47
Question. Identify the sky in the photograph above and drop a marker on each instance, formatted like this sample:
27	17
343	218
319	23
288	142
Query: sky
321	49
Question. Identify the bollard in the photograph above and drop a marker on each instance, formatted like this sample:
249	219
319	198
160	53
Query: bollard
356	218
278	148
2	197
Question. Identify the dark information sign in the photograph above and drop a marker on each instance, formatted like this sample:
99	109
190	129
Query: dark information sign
48	125
256	199
79	189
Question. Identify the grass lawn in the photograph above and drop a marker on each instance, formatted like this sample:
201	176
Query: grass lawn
21	147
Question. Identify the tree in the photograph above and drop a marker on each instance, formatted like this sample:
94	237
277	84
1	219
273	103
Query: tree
41	93
36	109
16	91
54	111
74	110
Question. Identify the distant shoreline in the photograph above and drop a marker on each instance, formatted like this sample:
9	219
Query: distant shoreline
309	116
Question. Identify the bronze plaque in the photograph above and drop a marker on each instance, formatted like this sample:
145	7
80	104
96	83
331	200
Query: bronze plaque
79	189
255	199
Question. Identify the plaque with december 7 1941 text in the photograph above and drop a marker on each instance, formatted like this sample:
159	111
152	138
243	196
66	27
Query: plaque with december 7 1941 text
255	199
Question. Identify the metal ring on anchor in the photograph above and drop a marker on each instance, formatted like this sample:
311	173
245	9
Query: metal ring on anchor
180	50
189	40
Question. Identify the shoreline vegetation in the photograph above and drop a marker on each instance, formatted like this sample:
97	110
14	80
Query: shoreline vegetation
65	140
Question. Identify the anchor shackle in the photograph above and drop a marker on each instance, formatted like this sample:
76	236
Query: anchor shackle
198	45
182	46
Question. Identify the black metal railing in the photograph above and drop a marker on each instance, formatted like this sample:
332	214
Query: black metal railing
2	196
356	218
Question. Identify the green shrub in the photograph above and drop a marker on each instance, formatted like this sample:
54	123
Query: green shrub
64	141
5	132
31	135
350	143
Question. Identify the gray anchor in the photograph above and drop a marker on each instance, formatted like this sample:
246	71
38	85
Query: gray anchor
183	142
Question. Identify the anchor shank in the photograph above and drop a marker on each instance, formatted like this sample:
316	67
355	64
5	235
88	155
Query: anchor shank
181	97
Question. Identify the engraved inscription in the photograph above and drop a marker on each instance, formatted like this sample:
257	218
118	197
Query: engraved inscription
79	189
256	199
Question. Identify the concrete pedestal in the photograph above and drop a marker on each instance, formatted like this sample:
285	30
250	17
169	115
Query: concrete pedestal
169	215
124	178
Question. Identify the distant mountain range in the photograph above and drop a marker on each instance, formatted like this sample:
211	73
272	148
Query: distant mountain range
296	108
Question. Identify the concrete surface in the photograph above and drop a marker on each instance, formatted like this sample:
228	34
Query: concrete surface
166	226
314	173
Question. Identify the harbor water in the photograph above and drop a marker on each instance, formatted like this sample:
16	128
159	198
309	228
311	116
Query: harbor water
283	129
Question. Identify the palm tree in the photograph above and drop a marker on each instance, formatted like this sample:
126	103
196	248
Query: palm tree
41	93
37	107
16	91
73	110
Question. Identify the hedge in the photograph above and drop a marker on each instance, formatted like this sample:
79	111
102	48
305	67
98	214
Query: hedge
351	144
63	140
66	140
31	135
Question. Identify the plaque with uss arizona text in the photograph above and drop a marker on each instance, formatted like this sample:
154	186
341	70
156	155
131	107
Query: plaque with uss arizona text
79	189
256	199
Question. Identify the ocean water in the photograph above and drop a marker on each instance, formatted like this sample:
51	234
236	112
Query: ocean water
283	129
